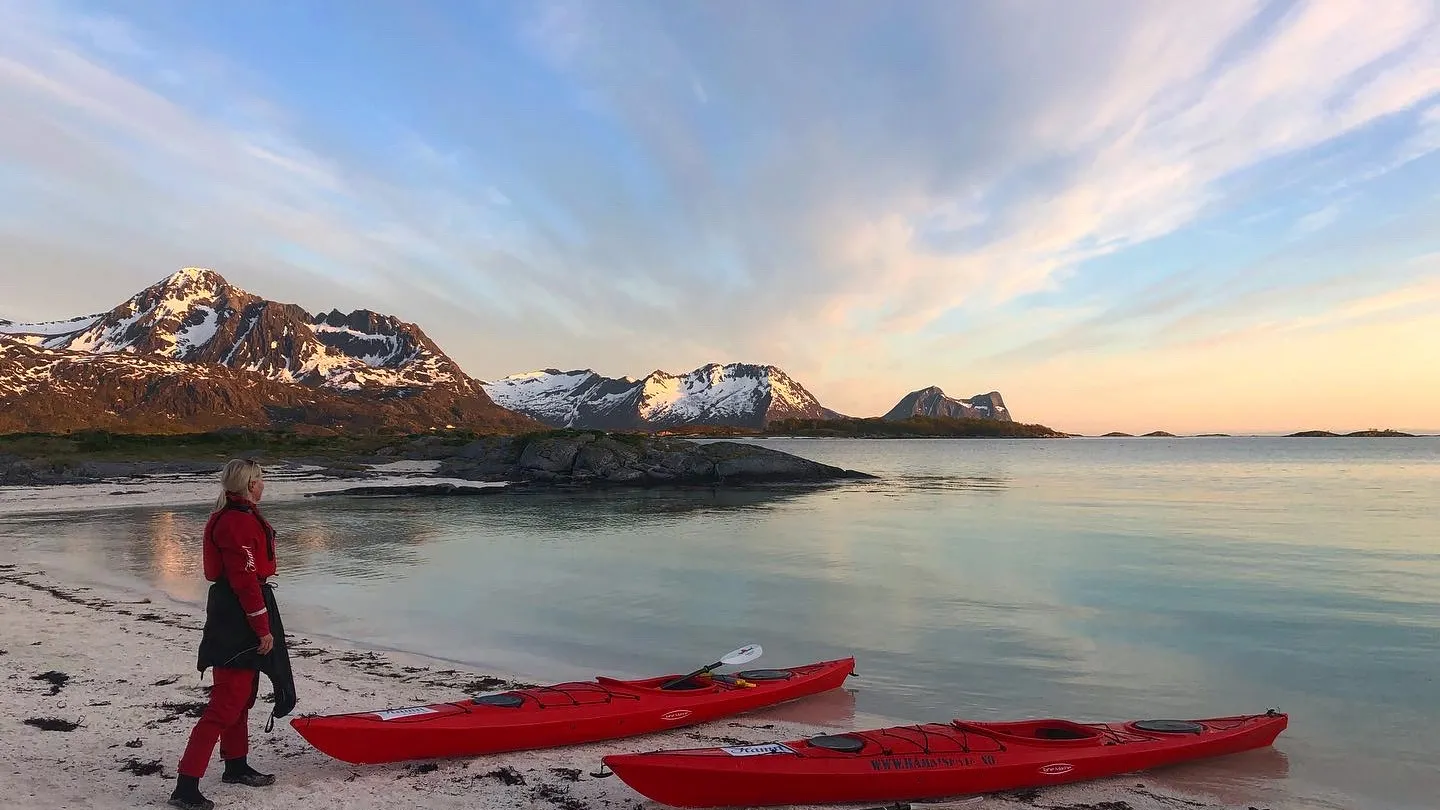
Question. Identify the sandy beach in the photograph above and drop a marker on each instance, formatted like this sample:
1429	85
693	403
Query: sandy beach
102	693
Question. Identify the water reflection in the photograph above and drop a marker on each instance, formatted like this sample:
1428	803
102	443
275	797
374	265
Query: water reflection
1237	780
984	580
173	563
833	709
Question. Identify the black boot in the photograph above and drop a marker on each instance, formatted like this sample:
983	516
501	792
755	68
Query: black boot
187	795
237	770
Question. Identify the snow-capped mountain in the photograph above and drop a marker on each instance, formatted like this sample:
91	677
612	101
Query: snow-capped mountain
732	395
933	402
193	325
196	316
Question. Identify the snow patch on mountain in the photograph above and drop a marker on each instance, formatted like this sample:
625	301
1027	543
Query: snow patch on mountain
378	350
37	333
709	391
26	368
536	387
193	336
557	397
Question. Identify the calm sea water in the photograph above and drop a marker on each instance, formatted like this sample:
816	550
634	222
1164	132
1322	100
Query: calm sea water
1090	578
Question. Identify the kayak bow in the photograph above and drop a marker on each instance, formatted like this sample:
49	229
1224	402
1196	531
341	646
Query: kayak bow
559	714
931	761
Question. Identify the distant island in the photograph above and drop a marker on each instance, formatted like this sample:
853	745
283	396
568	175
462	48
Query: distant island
911	427
1322	434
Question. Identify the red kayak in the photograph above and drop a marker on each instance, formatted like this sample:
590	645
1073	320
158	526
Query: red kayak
561	714
932	761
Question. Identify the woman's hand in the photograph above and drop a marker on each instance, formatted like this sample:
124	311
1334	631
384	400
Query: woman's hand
267	642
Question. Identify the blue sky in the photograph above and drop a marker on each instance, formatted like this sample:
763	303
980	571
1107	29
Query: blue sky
1122	215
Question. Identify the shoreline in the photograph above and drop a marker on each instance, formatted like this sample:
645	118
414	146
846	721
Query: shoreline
463	473
106	677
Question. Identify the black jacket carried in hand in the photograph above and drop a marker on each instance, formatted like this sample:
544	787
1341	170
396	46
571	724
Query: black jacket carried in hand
229	641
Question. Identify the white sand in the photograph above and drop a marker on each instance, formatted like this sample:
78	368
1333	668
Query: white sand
127	657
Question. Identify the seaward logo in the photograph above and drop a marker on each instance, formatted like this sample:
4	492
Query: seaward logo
1055	769
678	714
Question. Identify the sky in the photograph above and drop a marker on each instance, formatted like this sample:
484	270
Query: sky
1122	215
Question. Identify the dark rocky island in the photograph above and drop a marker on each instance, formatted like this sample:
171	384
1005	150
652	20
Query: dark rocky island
595	457
556	458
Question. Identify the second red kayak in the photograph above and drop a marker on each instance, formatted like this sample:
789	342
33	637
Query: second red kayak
560	714
932	761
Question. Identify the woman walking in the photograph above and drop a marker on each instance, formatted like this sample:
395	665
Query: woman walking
243	635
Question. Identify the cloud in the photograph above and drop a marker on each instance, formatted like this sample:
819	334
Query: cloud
1317	220
1096	154
635	186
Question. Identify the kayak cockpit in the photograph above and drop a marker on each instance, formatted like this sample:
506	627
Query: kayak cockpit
843	743
655	684
1047	730
505	700
667	683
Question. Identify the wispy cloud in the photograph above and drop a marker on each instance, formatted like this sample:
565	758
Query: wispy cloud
635	185
1317	220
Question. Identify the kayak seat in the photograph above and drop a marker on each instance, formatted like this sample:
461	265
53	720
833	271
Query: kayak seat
689	683
1060	733
505	701
844	743
765	675
1169	726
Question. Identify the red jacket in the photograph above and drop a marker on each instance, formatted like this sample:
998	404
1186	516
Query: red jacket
240	546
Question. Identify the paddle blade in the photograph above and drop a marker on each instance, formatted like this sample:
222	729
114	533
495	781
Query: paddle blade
744	655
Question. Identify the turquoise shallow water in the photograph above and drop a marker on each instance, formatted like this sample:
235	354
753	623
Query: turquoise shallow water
1089	578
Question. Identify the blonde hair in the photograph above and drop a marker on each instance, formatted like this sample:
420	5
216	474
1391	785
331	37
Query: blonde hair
236	477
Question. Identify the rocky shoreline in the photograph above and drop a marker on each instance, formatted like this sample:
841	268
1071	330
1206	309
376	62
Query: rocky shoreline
563	458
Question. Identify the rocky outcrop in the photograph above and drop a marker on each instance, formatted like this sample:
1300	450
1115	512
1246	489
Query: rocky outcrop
932	402
576	457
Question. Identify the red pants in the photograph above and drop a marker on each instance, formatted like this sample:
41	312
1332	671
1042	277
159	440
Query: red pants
226	720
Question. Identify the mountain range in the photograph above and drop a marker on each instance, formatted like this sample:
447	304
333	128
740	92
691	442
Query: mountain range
193	352
730	395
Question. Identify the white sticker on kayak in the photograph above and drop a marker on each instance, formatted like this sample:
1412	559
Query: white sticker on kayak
392	714
1057	768
757	750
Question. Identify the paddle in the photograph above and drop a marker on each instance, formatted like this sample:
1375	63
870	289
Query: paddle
744	655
